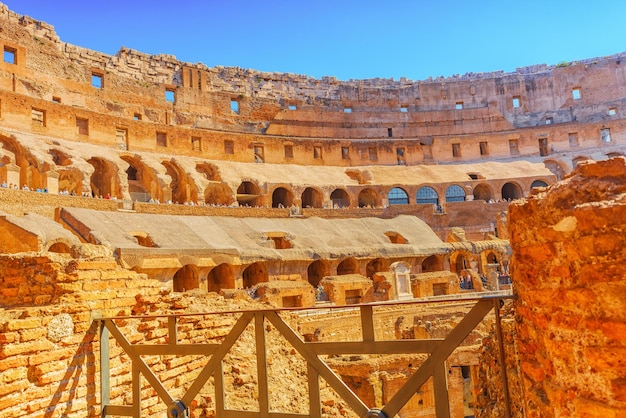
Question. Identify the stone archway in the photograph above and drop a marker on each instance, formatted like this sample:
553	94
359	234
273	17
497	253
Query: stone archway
511	191
183	188
218	194
348	266
431	264
254	274
483	192
143	183
248	194
221	277
316	271
340	198
104	181
186	278
312	198
282	197
369	198
375	266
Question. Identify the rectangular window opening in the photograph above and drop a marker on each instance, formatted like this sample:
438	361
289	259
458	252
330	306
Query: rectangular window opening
612	111
229	147
317	152
196	143
516	102
347	110
10	55
293	107
97	80
605	133
458	105
543	147
573	139
56	99
289	151
549	120
82	126
234	106
372	153
576	93
390	132
38	117
513	147
345	153
484	149
259	154
404	109
456	150
137	116
400	156
161	139
170	95
121	136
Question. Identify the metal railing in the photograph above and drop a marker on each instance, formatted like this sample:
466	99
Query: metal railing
434	366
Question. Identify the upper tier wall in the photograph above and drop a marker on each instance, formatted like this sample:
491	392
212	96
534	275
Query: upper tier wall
152	101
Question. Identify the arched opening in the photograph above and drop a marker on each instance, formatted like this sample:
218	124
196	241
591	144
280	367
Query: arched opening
103	181
312	198
60	247
143	184
248	194
538	183
218	194
254	274
183	188
580	159
32	170
316	271
511	191
427	196
186	278
340	198
210	171
397	196
432	263
492	259
458	263
348	266
221	277
70	181
369	198
282	198
455	193
376	265
483	192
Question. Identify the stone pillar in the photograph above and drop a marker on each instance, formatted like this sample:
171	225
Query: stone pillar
569	272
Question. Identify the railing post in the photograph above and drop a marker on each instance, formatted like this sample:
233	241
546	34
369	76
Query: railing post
105	375
505	382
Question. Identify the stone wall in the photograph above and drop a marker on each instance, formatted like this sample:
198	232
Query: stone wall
568	270
49	341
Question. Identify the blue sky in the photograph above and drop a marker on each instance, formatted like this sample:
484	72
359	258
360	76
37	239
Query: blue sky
346	39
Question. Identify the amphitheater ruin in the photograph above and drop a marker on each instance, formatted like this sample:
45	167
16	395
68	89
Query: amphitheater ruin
178	240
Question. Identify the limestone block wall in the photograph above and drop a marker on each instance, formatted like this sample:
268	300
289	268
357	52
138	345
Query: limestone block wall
569	270
49	342
150	96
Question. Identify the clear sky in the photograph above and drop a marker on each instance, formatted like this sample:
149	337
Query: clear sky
346	39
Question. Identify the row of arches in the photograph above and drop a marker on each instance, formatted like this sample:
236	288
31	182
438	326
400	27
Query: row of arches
99	176
249	194
224	275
